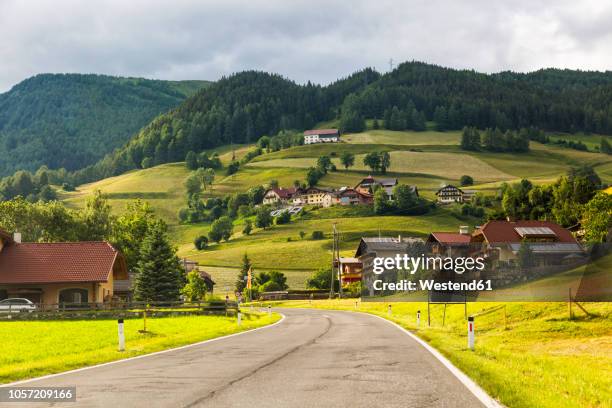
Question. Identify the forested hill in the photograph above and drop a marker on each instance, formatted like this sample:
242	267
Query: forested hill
243	107
73	120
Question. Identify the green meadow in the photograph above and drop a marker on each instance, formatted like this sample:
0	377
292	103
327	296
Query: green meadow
36	348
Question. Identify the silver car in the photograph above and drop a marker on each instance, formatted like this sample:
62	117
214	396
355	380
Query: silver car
16	305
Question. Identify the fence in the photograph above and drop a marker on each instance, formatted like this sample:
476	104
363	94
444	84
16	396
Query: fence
116	309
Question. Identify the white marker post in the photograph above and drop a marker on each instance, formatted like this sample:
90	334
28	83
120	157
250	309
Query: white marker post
418	318
269	310
471	332
121	335
389	310
239	318
355	305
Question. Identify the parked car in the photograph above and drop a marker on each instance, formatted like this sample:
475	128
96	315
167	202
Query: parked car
17	305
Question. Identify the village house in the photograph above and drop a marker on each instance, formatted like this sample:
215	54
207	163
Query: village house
280	196
351	270
350	196
317	196
321	136
190	265
449	194
367	186
59	272
550	243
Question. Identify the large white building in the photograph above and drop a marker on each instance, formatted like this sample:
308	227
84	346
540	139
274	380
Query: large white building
321	136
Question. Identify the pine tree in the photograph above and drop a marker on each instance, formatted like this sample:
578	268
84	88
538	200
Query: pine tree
159	276
244	270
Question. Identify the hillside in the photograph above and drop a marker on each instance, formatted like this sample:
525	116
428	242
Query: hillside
244	106
73	120
419	158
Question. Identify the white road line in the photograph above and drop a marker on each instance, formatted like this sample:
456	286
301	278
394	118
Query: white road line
142	356
478	392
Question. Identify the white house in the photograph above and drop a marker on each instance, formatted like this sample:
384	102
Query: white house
321	136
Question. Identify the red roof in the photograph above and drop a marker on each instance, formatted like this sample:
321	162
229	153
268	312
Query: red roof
451	237
504	231
285	192
59	262
5	236
321	132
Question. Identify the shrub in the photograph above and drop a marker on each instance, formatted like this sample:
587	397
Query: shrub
201	242
283	218
316	235
67	187
269	286
466	180
248	227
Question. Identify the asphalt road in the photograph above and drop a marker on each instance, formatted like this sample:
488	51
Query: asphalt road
314	358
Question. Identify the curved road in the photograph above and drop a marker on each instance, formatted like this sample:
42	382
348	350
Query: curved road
313	358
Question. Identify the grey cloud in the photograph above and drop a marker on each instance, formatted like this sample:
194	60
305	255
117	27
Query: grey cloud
303	40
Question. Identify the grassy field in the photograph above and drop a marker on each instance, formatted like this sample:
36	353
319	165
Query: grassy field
36	348
540	358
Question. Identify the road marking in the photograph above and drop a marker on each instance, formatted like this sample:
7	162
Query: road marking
156	353
475	389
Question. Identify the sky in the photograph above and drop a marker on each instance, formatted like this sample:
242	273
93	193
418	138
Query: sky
319	41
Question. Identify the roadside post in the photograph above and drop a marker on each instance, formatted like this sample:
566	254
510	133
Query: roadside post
389	310
239	318
121	335
471	332
418	318
355	305
270	310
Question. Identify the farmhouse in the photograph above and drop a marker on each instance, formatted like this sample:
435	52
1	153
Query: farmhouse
321	136
280	195
549	242
350	196
317	196
59	272
367	185
350	269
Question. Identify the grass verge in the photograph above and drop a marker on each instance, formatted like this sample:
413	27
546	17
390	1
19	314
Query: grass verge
36	348
538	358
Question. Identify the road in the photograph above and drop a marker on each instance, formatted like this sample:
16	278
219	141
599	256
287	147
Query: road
313	358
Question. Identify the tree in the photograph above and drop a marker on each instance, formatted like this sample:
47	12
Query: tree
263	219
206	177
201	242
597	217
385	162
221	229
195	289
466	180
405	198
96	218
129	229
264	142
347	159
191	160
605	146
159	276
242	274
248	227
324	164
381	205
372	160
192	184
283	218
375	124
232	168
313	175
321	279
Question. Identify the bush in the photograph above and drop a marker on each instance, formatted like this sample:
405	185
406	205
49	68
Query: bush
67	187
283	218
316	235
201	242
183	214
248	227
269	286
466	180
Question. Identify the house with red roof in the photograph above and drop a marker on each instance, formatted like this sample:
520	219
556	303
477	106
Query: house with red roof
279	195
59	272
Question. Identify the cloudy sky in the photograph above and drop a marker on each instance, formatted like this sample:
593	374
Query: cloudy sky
316	40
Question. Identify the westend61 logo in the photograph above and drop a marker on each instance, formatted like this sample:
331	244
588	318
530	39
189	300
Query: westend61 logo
412	265
413	270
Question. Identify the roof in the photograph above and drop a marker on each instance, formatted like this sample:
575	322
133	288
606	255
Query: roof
349	260
59	262
375	244
451	237
206	276
450	186
506	231
535	232
549	247
321	132
284	192
387	181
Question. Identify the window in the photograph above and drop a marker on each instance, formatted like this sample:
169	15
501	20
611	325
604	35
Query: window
73	296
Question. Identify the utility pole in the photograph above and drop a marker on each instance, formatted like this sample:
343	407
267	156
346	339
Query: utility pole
333	275
338	260
390	64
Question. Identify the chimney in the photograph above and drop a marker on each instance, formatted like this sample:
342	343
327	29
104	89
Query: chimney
464	230
17	237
